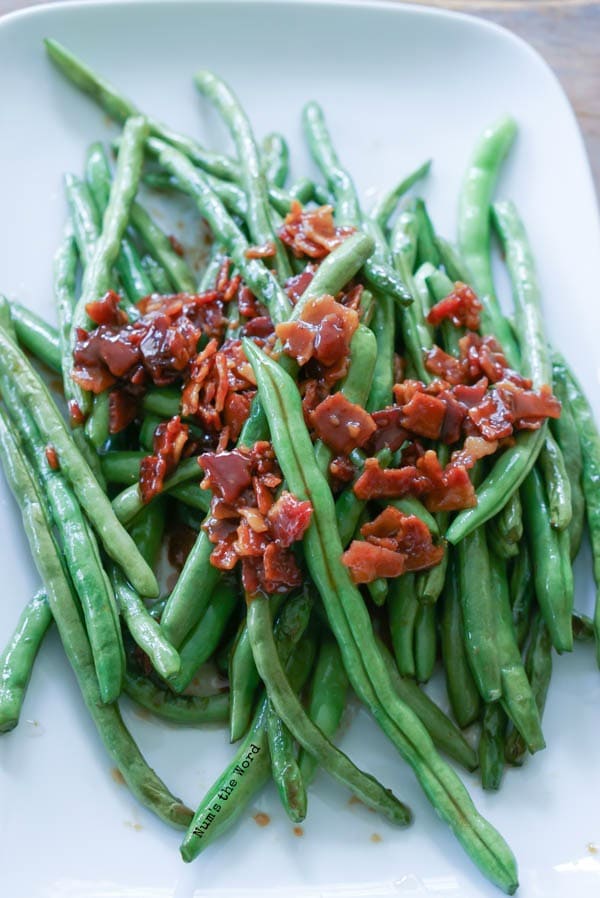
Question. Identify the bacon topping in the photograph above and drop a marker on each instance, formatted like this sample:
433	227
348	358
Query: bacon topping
312	232
393	543
446	488
264	251
341	424
170	438
324	332
247	523
461	307
52	457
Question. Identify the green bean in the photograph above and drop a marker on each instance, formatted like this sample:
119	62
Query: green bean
348	508
491	746
538	666
403	245
98	272
97	425
144	630
135	281
243	678
39	338
462	691
84	217
120	109
188	710
385	207
565	432
499	544
427	250
583	627
275	159
204	639
257	276
284	699
383	326
443	732
147	432
347	208
517	697
590	449
249	770
162	401
129	502
553	469
553	593
122	466
351	624
327	702
403	608
510	519
18	658
429	585
479	612
142	781
157	274
522	593
148	529
425	643
251	176
454	265
158	244
284	768
411	505
35	397
474	226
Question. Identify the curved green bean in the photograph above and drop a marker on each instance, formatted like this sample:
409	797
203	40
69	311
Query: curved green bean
188	710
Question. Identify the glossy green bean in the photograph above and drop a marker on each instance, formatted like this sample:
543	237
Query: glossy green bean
18	658
522	593
565	432
142	781
129	502
538	666
147	530
403	608
425	642
553	469
491	746
187	710
157	274
284	767
39	338
328	694
385	207
462	691
427	249
275	159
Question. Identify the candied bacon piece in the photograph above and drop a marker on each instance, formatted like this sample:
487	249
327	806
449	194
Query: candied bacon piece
442	364
76	416
324	331
312	232
261	326
228	474
389	483
390	432
474	448
453	419
366	562
298	340
456	493
531	406
298	283
52	457
341	424
289	518
249	542
280	568
470	395
106	310
411	536
169	439
461	307
236	410
342	469
424	416
493	416
264	251
122	409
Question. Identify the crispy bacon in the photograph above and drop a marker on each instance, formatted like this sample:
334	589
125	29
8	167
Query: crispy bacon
390	432
52	457
298	283
324	332
312	232
106	310
424	416
366	562
341	424
264	251
169	439
461	307
376	482
246	522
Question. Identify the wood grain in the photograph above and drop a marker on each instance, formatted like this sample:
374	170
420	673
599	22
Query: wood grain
565	32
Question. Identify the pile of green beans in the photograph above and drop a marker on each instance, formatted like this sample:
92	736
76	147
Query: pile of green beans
487	618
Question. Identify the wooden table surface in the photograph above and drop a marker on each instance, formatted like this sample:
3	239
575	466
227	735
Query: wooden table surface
565	32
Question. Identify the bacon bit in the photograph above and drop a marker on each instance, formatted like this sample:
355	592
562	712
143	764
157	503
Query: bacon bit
298	283
389	483
409	536
289	519
456	493
312	232
342	470
52	457
424	416
493	417
247	524
390	432
264	251
106	310
176	246
341	424
122	409
443	489
324	332
473	449
366	562
76	416
445	366
180	543
169	439
461	307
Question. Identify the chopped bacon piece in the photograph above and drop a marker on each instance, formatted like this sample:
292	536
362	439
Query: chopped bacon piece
408	535
366	562
471	395
169	439
461	307
122	409
493	417
312	232
341	424
446	366
52	457
324	332
106	310
530	406
456	493
474	448
264	251
296	285
76	416
341	469
228	474
376	482
389	431
424	416
289	518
